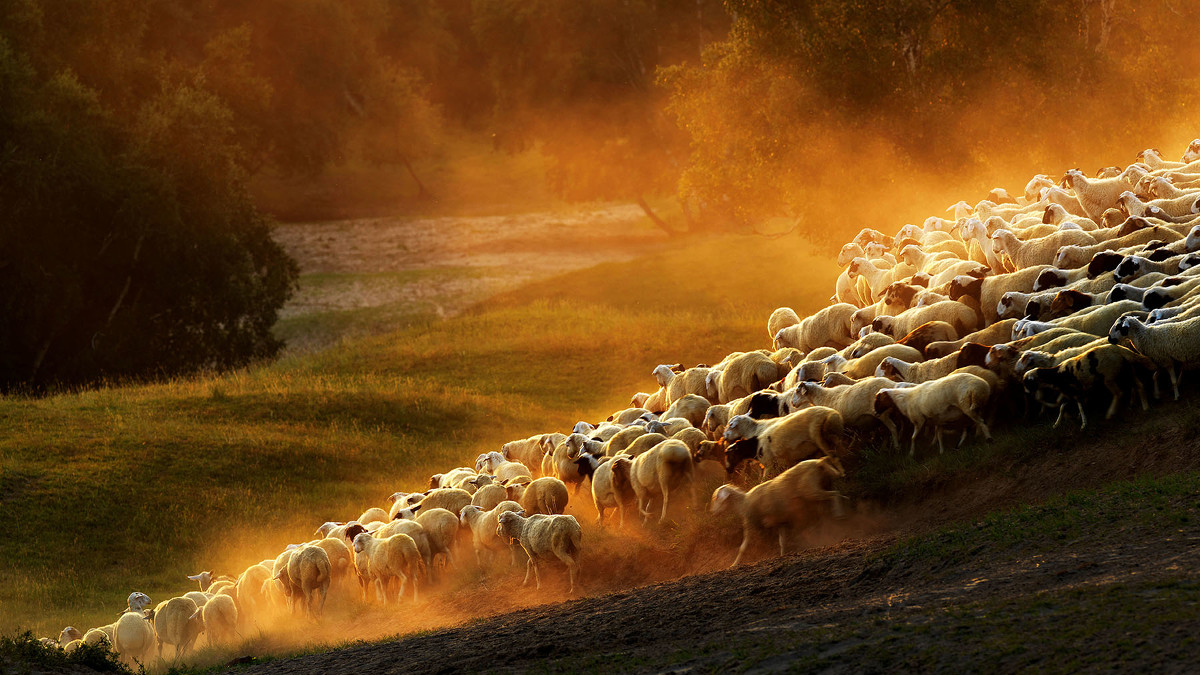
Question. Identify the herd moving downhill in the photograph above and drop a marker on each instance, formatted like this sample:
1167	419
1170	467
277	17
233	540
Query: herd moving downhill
1077	292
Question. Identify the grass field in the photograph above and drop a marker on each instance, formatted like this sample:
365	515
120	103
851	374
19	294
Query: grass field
120	488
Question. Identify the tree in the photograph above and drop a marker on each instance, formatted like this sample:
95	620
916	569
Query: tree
126	250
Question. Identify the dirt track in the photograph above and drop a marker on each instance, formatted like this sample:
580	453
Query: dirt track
1115	595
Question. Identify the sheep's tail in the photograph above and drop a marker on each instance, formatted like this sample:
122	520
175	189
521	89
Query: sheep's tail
832	428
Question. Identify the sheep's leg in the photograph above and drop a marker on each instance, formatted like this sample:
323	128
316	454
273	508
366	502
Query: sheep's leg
572	568
1116	399
912	446
621	513
528	571
600	516
891	427
980	425
1141	391
742	549
414	585
783	532
1062	410
380	591
937	431
666	498
1082	415
537	575
1174	380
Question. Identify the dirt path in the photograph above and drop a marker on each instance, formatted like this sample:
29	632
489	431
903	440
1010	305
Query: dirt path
451	263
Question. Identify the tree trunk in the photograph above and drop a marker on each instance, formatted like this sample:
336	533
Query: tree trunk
662	224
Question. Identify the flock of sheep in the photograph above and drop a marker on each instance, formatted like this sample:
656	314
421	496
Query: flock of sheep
1078	289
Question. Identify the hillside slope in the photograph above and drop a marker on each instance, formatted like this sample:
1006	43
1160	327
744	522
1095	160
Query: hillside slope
1094	577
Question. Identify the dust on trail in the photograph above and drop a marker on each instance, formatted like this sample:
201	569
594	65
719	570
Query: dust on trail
444	265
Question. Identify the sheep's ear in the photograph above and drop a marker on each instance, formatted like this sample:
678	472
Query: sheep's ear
195	616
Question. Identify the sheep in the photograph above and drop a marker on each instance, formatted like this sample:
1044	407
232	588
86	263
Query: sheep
670	427
482	525
742	376
783	442
416	532
177	622
1097	320
865	366
1025	254
690	407
987	292
495	464
1001	331
249	589
1111	366
620	441
781	318
938	402
645	442
545	495
133	637
776	507
488	496
656	473
220	616
1169	345
1096	195
828	327
610	489
451	499
527	451
309	572
957	314
340	559
440	526
693	381
854	402
543	536
379	561
932	331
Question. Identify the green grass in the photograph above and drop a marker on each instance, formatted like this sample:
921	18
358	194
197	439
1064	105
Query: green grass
124	488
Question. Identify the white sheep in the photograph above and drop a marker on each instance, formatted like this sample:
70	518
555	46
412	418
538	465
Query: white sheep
177	622
543	537
1169	345
220	616
1043	251
937	402
776	507
545	495
309	573
134	638
380	561
495	464
786	441
482	525
656	473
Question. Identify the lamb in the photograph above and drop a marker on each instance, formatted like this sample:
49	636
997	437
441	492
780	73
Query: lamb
790	501
543	536
656	473
381	560
482	524
1026	254
828	327
545	495
177	622
938	402
1168	345
786	441
133	637
309	572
